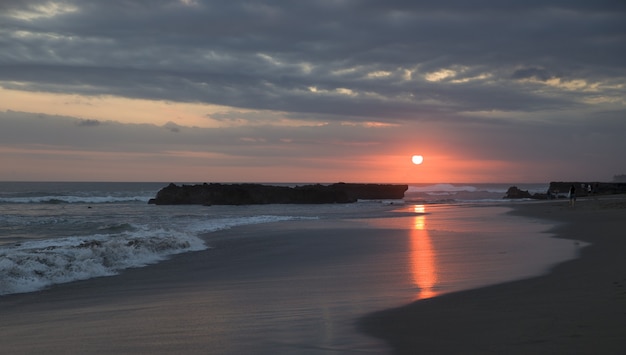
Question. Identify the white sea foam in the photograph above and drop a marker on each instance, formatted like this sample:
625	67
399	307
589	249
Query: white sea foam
34	265
211	225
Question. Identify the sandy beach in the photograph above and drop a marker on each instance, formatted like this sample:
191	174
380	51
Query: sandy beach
578	308
305	287
261	289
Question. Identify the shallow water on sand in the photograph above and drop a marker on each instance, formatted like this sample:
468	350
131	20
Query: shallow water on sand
305	284
288	287
453	248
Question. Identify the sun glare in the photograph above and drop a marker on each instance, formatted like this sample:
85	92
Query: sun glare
423	256
417	159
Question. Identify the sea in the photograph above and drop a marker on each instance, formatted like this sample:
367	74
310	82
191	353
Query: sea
58	232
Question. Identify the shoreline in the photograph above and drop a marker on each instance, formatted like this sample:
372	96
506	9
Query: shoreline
579	307
274	288
287	287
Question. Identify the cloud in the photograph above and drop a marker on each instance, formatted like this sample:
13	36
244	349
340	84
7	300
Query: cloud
88	123
303	83
172	127
365	59
347	150
533	73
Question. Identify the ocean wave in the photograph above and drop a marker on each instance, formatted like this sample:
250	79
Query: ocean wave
74	199
441	188
450	193
116	228
34	265
212	225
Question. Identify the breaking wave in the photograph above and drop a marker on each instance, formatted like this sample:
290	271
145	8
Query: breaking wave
73	199
36	264
451	193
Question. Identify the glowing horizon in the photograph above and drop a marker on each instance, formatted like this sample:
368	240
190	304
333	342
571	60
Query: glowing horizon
223	94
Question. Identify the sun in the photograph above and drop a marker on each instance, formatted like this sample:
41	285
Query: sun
417	159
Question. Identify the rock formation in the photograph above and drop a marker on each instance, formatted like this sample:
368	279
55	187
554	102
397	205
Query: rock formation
251	194
514	193
589	188
619	178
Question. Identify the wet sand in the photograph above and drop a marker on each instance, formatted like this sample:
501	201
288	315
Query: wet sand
287	288
300	287
577	308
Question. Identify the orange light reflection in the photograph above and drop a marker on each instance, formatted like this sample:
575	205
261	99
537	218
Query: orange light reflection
422	258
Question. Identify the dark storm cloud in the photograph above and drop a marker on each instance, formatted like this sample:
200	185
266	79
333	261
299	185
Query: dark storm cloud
172	127
88	123
532	73
349	59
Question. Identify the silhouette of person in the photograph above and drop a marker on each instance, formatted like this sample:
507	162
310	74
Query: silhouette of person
572	195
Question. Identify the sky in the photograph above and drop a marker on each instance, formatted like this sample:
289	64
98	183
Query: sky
312	91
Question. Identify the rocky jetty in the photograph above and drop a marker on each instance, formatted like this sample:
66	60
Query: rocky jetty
254	194
585	188
560	189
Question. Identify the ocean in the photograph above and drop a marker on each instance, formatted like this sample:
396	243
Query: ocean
58	232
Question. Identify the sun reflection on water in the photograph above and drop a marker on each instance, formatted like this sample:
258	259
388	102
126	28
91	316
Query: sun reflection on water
423	256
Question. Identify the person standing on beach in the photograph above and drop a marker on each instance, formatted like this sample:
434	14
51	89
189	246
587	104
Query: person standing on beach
572	195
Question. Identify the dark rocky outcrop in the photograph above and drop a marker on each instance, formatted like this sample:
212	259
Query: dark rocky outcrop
252	194
514	193
560	189
588	188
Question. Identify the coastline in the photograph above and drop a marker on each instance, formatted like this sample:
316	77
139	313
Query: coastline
293	287
579	307
275	288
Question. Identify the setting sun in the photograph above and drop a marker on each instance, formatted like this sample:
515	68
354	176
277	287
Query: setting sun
417	159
